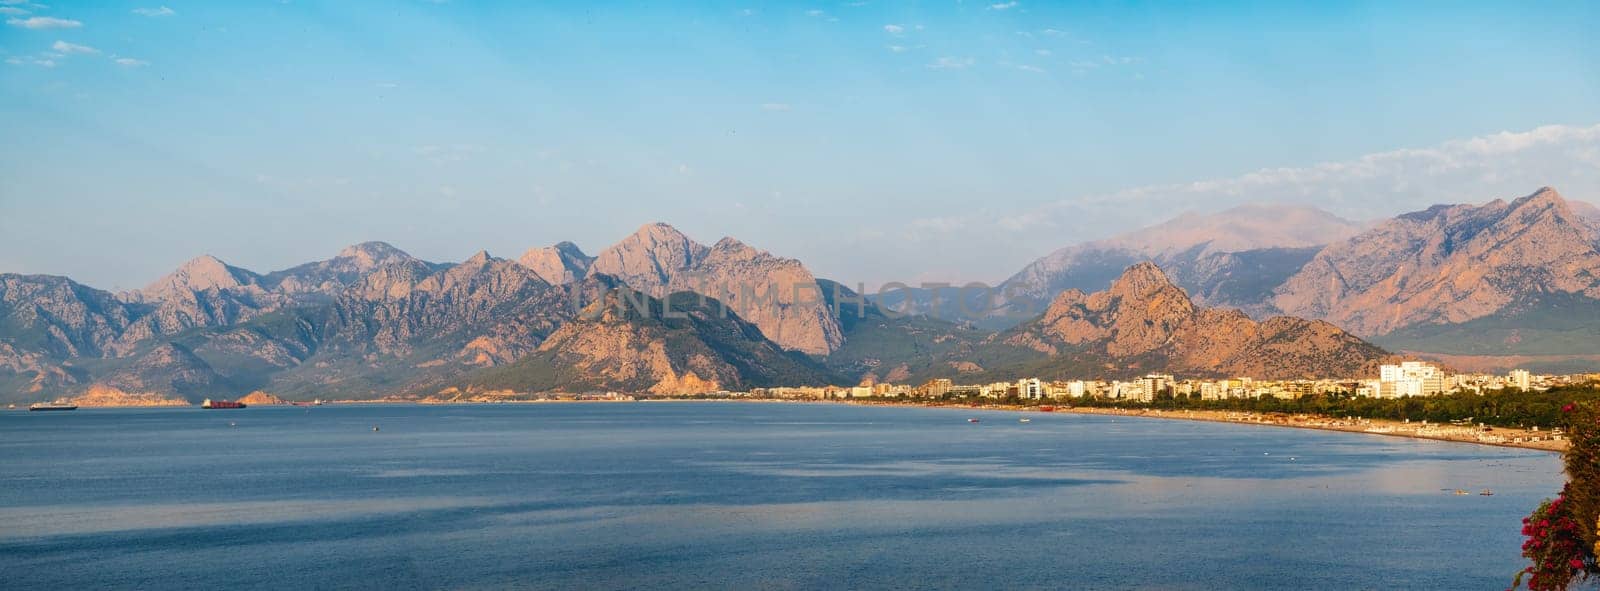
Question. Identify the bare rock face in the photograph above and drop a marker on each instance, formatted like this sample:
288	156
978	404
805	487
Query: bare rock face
58	317
617	345
1144	316
261	398
650	258
560	264
1448	264
332	276
777	294
100	395
202	273
168	369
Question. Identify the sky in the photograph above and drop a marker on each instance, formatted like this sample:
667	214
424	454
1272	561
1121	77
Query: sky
875	141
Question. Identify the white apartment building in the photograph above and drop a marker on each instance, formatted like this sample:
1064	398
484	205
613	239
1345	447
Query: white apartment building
1520	378
1410	378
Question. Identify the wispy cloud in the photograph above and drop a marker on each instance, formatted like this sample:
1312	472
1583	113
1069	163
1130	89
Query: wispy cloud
894	29
1003	5
1381	184
42	62
161	11
44	22
65	48
12	11
128	62
951	63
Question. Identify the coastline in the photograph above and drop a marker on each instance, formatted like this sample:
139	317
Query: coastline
1501	437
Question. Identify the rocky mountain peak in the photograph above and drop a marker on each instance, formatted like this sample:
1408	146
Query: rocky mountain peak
1144	318
370	255
1448	264
1140	281
559	264
650	258
199	274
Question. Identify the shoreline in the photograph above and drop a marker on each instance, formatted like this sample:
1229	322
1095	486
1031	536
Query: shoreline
1502	436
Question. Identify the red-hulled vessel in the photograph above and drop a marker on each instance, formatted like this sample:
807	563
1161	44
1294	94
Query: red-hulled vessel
209	403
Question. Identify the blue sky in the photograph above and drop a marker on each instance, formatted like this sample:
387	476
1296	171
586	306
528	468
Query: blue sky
876	141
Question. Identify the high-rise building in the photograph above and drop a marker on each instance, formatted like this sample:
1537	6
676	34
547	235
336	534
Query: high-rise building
1520	379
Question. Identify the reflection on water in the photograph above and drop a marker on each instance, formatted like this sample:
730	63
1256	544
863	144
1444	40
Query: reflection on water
697	495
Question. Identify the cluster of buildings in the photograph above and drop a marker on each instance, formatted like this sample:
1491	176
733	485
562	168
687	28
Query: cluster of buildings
1410	378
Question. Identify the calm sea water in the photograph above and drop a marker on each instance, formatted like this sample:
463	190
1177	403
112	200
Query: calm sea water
739	496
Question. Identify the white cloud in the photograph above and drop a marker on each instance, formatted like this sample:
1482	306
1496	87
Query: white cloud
43	62
65	48
951	63
1041	52
1003	5
12	11
1028	68
815	13
162	11
1383	184
130	62
897	48
894	29
44	22
774	106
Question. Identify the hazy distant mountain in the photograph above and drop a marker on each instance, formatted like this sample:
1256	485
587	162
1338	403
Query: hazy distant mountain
773	293
617	346
1144	322
1188	237
1231	258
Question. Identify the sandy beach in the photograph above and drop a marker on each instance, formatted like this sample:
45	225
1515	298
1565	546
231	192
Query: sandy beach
1541	439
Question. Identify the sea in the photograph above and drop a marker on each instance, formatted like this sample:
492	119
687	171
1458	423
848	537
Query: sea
742	495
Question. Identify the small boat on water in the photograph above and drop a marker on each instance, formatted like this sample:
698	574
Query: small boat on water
1486	493
972	420
219	404
1024	420
57	405
1460	492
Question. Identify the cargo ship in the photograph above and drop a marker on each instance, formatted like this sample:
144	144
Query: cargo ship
57	405
209	403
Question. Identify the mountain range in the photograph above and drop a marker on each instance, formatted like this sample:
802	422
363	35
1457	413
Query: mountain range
1267	291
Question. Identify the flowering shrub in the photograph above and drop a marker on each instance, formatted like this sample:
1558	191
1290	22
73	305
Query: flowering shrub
1564	533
